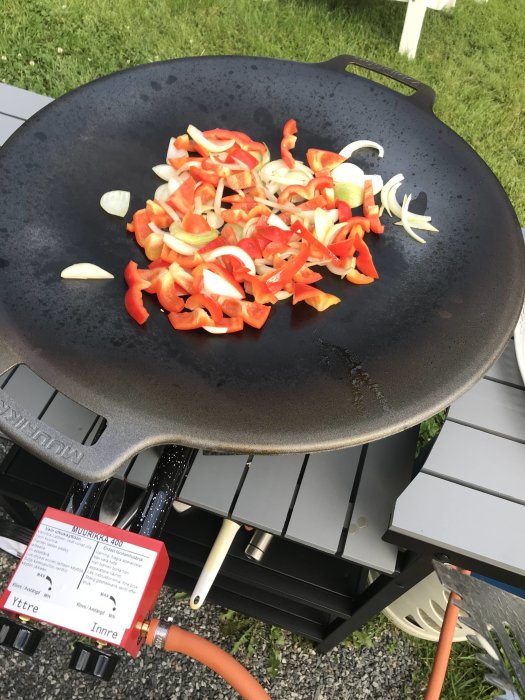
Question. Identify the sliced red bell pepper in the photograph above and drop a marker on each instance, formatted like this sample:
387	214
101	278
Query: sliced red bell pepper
314	297
251	246
319	201
306	191
288	142
141	228
204	301
344	249
323	160
240	180
307	276
190	320
133	298
364	261
216	243
260	291
167	293
195	223
205	192
273	234
357	277
370	208
275	281
251	312
344	212
317	248
357	224
208	176
232	325
239	154
188	262
184	196
238	136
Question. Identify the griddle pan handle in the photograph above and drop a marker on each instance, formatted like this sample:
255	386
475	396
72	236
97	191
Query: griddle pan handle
423	96
119	442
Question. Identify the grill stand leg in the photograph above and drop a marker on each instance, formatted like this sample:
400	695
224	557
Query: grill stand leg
383	591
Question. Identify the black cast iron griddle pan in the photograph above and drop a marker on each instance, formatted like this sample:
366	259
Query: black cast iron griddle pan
390	355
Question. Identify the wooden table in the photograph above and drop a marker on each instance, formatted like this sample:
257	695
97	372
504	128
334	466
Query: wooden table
335	516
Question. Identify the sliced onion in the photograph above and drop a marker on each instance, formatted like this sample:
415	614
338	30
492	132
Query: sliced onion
348	172
85	271
385	192
214	220
211	146
212	283
421	225
155	229
161	193
234	250
262	268
170	211
174	183
177	245
175	152
215	329
283	295
165	172
115	202
393	204
218	197
404	219
274	220
351	148
323	222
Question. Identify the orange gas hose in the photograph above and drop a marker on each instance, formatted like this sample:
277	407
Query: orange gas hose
212	656
444	647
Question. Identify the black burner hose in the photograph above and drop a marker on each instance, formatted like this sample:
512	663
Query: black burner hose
156	505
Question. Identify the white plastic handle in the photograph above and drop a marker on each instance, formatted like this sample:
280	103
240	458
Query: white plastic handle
213	563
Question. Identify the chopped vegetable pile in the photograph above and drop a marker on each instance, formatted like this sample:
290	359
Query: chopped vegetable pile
231	232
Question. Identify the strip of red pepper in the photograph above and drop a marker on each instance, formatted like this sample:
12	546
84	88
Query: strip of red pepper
133	297
288	142
370	208
276	281
317	248
306	191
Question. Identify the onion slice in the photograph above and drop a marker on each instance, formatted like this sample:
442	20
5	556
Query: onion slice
177	245
215	329
85	271
212	283
385	192
351	148
234	250
165	172
404	219
115	202
211	146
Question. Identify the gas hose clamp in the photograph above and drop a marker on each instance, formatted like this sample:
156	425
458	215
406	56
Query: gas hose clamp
159	639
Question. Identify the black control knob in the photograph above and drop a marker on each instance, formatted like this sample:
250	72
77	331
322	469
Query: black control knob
19	636
99	663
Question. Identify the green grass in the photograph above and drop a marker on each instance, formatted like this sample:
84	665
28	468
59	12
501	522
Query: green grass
473	57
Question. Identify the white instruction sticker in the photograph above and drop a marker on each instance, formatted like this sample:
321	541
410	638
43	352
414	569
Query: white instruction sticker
81	580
